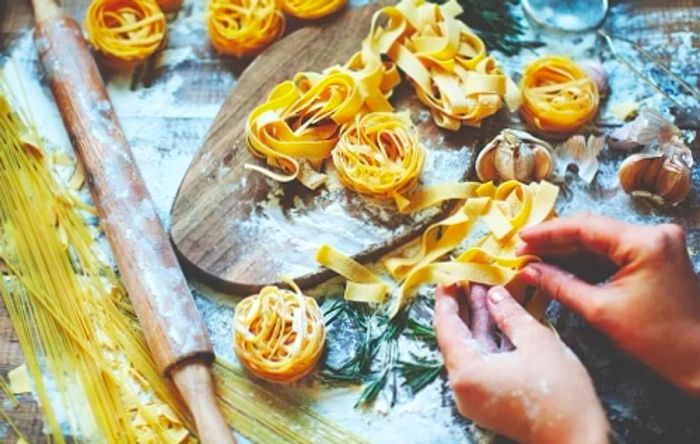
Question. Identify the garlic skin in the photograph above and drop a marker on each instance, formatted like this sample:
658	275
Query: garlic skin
597	72
658	175
515	155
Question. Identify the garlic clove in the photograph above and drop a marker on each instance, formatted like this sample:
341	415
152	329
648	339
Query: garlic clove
673	183
514	162
543	165
485	167
597	72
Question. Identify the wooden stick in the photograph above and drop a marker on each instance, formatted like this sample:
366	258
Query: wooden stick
173	327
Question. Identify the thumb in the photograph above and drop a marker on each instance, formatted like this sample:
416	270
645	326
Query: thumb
512	319
564	287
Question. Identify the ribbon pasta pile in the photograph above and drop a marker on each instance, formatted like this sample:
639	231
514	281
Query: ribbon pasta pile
243	28
125	32
559	97
303	120
279	334
504	210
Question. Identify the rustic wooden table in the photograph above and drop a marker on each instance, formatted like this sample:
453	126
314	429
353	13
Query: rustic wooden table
671	27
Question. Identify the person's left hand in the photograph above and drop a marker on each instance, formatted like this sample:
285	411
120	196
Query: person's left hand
533	389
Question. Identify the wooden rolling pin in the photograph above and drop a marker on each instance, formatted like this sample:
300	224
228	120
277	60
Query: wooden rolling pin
149	269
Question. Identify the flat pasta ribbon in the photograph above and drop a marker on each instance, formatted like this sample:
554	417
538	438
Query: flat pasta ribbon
379	155
492	260
558	96
243	28
125	32
363	285
311	9
279	334
445	60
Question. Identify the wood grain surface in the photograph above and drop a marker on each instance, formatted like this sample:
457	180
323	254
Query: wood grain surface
660	23
238	231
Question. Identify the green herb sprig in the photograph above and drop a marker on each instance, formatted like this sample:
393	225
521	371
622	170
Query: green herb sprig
495	23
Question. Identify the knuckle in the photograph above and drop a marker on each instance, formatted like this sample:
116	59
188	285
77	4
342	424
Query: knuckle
595	311
665	238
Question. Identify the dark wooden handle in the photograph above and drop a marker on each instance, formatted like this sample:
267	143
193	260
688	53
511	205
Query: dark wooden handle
148	266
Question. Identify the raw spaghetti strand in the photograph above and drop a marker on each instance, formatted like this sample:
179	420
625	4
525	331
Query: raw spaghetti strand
311	9
558	96
243	28
279	334
125	32
379	155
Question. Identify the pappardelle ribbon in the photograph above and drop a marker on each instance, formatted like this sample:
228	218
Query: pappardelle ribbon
311	9
491	260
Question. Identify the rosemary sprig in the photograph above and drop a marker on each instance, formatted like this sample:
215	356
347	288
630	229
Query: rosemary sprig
496	24
419	372
421	331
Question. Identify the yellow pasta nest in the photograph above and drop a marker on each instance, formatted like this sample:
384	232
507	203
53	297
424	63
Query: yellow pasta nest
311	9
379	155
125	32
169	5
299	124
244	28
279	334
558	96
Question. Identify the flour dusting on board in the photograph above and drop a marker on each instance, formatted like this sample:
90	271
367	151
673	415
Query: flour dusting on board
167	111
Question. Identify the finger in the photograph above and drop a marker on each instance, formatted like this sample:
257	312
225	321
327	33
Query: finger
453	336
549	250
481	323
564	287
515	323
464	309
597	234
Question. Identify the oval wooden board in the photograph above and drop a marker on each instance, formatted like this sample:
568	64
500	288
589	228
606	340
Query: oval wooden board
237	231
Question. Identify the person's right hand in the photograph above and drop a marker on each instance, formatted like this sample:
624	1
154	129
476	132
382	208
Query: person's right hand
651	305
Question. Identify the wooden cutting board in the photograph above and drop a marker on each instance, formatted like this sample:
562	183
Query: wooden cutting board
237	230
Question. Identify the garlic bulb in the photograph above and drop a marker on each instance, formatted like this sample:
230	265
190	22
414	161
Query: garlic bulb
661	175
597	72
515	155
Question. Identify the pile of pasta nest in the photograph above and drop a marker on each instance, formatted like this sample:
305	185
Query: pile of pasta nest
343	115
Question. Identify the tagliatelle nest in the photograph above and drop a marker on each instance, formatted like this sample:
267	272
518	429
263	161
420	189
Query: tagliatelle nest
380	155
244	28
279	334
558	96
125	32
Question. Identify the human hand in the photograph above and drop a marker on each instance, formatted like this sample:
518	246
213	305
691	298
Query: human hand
650	307
537	392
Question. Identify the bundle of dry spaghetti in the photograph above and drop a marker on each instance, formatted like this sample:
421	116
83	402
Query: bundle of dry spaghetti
559	97
125	32
84	349
492	260
279	334
243	28
380	155
311	9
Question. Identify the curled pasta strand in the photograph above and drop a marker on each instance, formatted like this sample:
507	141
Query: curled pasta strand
311	9
125	32
279	334
558	96
243	28
379	155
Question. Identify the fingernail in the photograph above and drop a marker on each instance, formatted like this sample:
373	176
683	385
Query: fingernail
497	294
